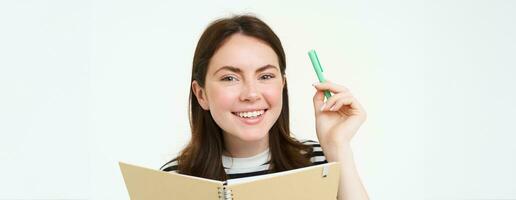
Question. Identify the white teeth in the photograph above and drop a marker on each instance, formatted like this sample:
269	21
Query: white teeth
250	114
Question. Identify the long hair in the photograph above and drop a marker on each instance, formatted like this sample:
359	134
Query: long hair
202	157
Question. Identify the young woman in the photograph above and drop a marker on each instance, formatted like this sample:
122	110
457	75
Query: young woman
239	114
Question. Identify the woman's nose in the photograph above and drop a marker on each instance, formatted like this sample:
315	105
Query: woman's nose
250	93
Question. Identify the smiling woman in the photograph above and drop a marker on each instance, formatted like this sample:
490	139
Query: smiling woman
239	113
239	105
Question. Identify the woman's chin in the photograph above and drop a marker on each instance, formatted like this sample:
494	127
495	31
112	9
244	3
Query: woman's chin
252	136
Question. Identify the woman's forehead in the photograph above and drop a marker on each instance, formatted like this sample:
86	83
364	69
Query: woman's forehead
245	53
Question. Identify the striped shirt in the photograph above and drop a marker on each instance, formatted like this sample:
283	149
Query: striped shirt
254	165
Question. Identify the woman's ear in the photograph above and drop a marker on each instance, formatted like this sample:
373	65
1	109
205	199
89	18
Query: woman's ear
200	94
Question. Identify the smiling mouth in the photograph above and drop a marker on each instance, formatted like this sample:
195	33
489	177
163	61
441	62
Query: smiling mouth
251	114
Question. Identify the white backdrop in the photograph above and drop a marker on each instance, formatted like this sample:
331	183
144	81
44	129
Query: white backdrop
85	84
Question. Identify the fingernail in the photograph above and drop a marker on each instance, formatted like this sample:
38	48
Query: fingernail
322	107
333	107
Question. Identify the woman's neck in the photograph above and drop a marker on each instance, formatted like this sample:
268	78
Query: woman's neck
242	149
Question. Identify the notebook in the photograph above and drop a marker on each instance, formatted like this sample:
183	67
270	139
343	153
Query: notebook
314	182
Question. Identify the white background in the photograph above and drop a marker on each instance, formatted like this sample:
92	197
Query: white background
85	84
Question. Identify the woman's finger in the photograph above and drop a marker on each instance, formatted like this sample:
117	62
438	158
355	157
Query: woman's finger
330	86
342	102
318	100
353	103
331	101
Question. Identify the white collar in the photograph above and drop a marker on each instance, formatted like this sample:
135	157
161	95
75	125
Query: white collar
248	162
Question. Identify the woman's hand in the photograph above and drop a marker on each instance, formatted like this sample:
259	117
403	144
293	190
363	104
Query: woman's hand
339	118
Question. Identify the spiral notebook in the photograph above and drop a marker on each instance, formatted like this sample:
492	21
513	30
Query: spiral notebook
314	182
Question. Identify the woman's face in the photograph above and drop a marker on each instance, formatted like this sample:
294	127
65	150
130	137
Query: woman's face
243	89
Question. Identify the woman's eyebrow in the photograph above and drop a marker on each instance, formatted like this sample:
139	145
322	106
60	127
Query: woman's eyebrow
239	71
261	69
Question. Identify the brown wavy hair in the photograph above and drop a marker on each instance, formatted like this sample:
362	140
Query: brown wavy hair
202	157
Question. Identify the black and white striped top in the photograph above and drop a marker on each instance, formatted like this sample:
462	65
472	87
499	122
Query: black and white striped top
255	165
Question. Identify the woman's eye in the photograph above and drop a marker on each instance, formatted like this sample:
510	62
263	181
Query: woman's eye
267	76
228	78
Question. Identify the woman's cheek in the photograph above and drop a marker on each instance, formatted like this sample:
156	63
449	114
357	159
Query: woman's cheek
225	97
273	95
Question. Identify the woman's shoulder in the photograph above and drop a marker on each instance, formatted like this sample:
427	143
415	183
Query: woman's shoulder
317	152
308	141
170	166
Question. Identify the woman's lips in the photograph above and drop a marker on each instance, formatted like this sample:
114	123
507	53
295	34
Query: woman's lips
251	120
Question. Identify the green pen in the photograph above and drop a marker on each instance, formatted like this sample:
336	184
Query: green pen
318	70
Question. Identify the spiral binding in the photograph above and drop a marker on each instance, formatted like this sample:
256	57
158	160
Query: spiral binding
225	193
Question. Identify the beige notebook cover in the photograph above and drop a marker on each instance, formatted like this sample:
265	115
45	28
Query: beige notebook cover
314	182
